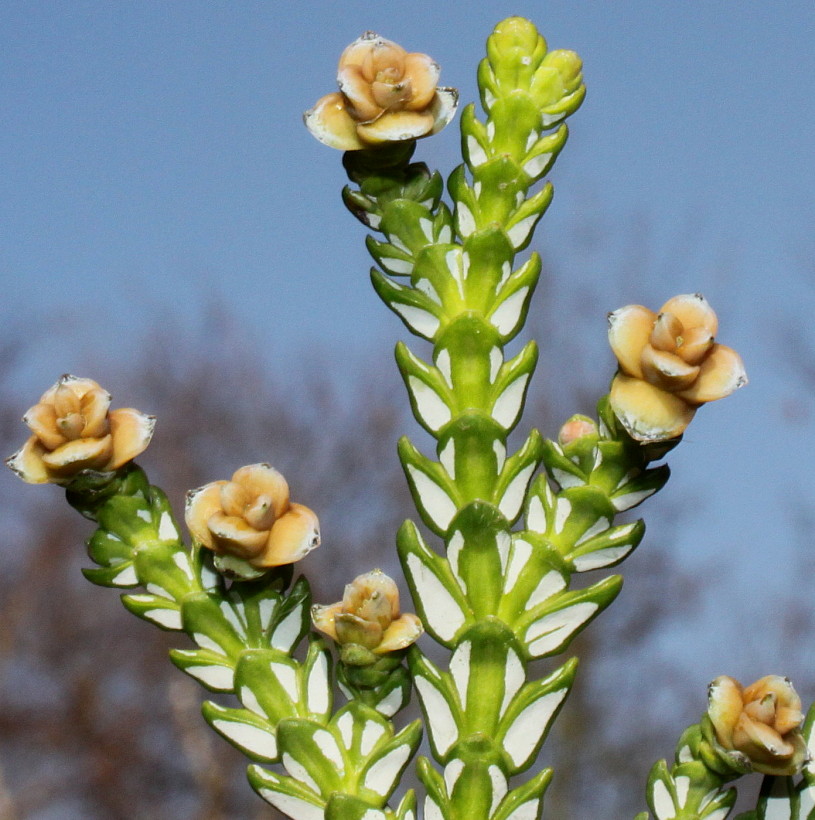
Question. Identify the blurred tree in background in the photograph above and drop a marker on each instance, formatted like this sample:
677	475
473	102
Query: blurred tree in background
95	722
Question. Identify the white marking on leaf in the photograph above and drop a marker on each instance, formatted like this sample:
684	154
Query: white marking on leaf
374	220
499	787
397	266
371	733
442	727
720	814
532	138
397	242
478	156
506	270
596	528
426	287
266	608
685	756
551	583
496	360
536	516
435	501
536	165
460	670
248	699
621	532
381	775
466	220
447	457
221	678
443	364
426	227
477	188
508	313
552	630
432	810
328	746
663	802
346	726
503	542
445	235
566	479
442	614
513	498
563	509
318	686
181	560
490	127
625	502
508	405
294	807
299	772
520	231
465	264
433	411
682	784
209	578
526	811
778	807
158	590
287	678
231	617
514	678
286	632
252	738
391	703
167	530
373	814
521	552
424	323
530	725
453	261
500	454
144	515
452	772
169	618
454	548
205	642
600	558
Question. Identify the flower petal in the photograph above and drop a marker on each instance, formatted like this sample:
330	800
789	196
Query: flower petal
401	633
131	432
42	421
397	126
235	536
646	412
667	370
28	464
628	331
323	618
358	93
423	72
720	374
332	125
80	454
443	107
94	406
78	386
293	536
693	310
759	742
725	703
201	504
263	479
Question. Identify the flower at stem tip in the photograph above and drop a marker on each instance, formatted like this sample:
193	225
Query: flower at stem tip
250	523
386	95
758	727
670	364
75	431
367	623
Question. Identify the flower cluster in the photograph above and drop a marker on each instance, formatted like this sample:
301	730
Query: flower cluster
74	430
251	519
758	726
670	364
367	623
386	95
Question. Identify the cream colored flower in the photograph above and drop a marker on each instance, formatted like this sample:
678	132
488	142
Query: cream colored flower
761	722
367	621
74	430
670	364
386	95
251	518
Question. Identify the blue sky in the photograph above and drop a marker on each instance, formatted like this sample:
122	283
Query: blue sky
152	158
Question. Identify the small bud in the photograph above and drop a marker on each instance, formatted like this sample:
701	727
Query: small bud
576	428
